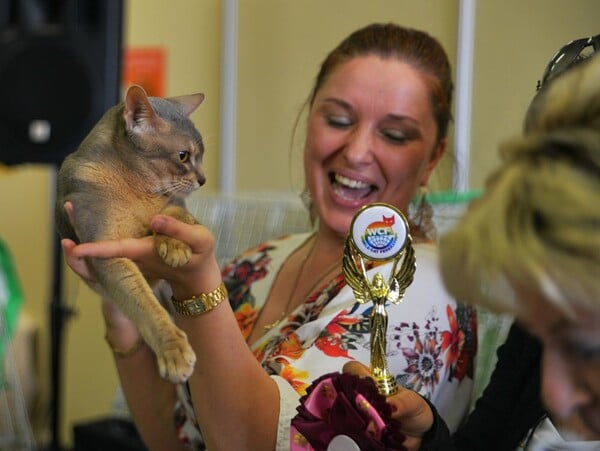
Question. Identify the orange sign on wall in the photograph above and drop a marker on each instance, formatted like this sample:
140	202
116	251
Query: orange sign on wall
145	66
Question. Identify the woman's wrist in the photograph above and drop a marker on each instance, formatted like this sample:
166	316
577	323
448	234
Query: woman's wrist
203	281
201	303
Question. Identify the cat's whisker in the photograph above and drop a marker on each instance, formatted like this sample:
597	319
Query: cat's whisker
179	186
160	191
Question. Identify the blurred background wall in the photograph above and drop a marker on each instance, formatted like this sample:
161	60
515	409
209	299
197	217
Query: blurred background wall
281	43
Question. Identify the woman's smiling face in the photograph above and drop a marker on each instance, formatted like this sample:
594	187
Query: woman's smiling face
371	137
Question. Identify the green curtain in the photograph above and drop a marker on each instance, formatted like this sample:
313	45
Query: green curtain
11	298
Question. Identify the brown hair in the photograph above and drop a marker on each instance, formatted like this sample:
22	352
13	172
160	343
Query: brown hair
415	47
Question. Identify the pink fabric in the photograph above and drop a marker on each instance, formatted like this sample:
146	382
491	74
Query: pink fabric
342	404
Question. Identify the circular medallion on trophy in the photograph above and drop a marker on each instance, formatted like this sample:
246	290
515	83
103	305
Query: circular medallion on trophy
379	231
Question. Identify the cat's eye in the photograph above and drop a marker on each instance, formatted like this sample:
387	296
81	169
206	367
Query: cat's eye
184	155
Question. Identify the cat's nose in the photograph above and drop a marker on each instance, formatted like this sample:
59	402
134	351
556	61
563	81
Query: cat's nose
201	180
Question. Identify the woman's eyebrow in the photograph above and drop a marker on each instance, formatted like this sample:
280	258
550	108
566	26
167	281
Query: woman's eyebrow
338	102
347	106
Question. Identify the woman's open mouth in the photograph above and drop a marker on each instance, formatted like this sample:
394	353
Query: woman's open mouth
350	189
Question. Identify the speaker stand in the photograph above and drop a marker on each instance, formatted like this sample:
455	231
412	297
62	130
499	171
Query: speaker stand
59	313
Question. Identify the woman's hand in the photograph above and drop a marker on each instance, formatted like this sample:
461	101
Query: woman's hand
200	274
196	276
407	406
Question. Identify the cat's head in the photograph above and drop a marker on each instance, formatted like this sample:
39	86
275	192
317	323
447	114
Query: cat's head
163	134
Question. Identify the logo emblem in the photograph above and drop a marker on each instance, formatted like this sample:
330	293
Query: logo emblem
379	231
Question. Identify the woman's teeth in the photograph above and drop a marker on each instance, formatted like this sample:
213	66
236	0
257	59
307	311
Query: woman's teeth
350	189
349	183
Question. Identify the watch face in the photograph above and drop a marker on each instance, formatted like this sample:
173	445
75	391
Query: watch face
379	231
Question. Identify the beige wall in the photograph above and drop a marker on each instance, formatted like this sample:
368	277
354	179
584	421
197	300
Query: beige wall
280	46
515	39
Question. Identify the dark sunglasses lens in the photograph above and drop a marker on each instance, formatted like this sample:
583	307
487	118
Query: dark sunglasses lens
564	58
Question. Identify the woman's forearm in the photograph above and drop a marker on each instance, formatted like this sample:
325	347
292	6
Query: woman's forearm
150	398
236	402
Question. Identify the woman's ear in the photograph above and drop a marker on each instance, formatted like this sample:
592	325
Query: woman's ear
434	159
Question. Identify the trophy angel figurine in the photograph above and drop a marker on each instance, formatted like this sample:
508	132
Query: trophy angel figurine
379	232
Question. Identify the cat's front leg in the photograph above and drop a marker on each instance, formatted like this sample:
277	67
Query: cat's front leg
127	287
174	253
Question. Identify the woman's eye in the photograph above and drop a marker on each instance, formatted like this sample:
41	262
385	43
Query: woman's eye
396	136
338	121
184	155
591	355
582	351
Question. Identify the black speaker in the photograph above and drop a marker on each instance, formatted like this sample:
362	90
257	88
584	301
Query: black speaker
112	434
60	70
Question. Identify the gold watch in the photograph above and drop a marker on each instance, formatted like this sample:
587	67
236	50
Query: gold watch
201	303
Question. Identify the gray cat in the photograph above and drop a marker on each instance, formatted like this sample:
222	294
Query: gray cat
142	158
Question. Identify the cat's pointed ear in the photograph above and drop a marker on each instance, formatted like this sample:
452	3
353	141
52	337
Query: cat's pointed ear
189	103
138	111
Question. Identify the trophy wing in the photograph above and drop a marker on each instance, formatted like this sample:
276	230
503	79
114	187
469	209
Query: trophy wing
404	276
353	275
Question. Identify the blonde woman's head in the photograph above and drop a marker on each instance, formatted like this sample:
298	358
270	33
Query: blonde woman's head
538	224
531	245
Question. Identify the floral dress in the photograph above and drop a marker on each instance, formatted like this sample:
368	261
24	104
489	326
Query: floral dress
431	339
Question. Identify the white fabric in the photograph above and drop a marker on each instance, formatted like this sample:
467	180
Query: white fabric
547	437
288	401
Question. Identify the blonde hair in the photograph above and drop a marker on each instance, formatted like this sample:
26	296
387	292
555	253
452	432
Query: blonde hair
537	228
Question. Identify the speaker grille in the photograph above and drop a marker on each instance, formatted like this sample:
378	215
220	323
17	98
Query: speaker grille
60	70
45	98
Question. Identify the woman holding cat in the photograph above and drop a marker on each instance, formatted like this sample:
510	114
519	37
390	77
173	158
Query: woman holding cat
377	123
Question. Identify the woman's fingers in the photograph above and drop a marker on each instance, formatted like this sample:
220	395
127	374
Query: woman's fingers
196	236
143	251
414	414
356	368
76	263
407	406
132	248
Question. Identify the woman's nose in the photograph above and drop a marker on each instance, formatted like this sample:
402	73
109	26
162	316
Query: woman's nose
562	392
359	148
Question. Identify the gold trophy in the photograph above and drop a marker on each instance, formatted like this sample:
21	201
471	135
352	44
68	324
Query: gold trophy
379	232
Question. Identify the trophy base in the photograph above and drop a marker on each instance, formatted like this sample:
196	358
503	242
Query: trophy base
386	385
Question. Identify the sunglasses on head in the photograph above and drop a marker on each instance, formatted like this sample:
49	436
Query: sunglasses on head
569	55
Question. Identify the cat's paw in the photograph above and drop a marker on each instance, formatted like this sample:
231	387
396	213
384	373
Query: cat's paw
176	358
174	253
